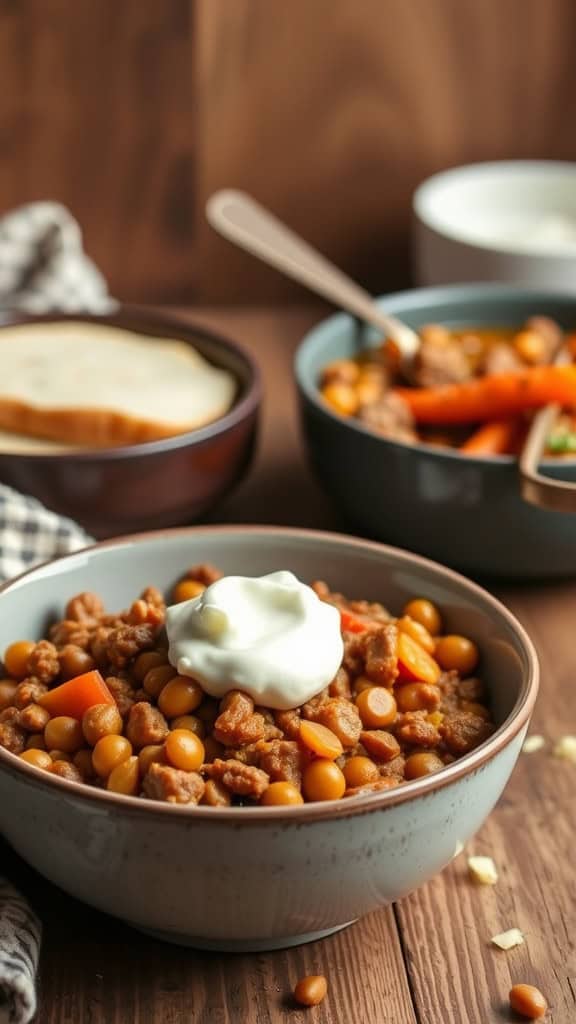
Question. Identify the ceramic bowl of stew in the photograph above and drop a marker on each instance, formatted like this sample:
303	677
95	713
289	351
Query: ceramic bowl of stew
168	482
261	877
439	501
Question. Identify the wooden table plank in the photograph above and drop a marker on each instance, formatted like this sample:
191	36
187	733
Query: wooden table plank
426	961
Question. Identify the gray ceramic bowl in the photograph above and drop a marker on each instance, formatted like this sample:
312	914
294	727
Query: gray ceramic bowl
262	877
174	481
466	512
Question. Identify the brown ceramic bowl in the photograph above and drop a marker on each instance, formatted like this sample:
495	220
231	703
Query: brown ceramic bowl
161	483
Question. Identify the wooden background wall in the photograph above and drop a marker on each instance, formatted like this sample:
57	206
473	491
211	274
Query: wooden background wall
331	111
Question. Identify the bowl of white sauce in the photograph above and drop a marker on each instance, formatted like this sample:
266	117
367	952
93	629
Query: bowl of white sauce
512	221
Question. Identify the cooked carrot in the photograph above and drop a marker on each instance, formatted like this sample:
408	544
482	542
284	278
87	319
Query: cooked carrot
320	740
414	664
494	397
494	438
74	697
351	624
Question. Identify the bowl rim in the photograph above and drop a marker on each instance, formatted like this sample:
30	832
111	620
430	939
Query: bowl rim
425	208
410	298
311	812
139	318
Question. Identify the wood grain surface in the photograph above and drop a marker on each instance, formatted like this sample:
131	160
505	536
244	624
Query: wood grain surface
428	960
331	112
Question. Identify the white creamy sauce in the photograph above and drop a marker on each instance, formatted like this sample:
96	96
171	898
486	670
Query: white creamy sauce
270	636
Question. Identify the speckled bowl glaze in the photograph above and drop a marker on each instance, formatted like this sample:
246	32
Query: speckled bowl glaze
260	878
462	510
170	482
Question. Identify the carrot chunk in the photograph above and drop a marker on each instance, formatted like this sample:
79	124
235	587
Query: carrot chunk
74	697
414	663
320	740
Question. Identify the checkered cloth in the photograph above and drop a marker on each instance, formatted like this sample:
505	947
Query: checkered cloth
43	266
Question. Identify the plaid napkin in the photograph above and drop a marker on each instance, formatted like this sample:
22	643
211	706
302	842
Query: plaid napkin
43	268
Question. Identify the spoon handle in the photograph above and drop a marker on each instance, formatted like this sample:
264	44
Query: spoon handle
242	220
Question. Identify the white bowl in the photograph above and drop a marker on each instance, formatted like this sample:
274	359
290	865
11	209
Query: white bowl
256	878
512	221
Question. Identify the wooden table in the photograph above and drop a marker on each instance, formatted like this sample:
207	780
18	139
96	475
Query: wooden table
427	960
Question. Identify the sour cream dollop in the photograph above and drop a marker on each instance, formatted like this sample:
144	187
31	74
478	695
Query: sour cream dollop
270	636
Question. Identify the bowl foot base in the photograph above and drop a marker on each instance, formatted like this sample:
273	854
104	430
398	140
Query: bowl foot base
240	945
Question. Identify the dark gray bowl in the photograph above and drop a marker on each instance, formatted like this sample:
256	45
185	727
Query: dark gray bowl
466	512
171	482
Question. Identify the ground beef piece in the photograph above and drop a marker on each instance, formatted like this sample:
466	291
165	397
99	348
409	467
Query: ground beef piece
343	719
371	609
471	689
28	691
85	607
74	661
238	723
215	794
271	730
449	684
282	761
501	358
340	685
380	654
99	645
205	574
69	631
381	745
33	718
250	754
373	787
462	731
65	770
311	709
241	779
354	650
142	612
289	722
162	782
439	362
153	596
390	416
125	642
10	716
123	694
43	662
393	769
146	725
413	728
12	737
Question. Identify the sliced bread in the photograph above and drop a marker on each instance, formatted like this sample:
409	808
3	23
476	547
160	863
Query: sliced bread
94	384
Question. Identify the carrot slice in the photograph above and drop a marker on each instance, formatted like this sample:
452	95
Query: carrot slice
75	696
320	740
351	624
494	397
414	664
417	632
495	438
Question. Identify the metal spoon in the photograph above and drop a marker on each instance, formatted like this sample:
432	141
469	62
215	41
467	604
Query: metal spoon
242	220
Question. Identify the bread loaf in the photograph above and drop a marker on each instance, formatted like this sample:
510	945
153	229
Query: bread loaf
93	384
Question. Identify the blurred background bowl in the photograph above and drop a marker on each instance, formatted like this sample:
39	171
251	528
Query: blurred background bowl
170	482
462	510
512	221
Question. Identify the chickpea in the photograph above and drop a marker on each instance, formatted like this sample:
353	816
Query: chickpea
186	590
154	752
341	371
457	653
425	613
7	691
418	697
191	723
146	661
74	661
180	696
215	794
16	658
64	733
370	384
323	780
36	741
377	707
37	758
125	777
108	752
83	761
418	632
184	750
101	720
342	398
528	1001
475	709
156	678
423	763
281	794
360	771
311	990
